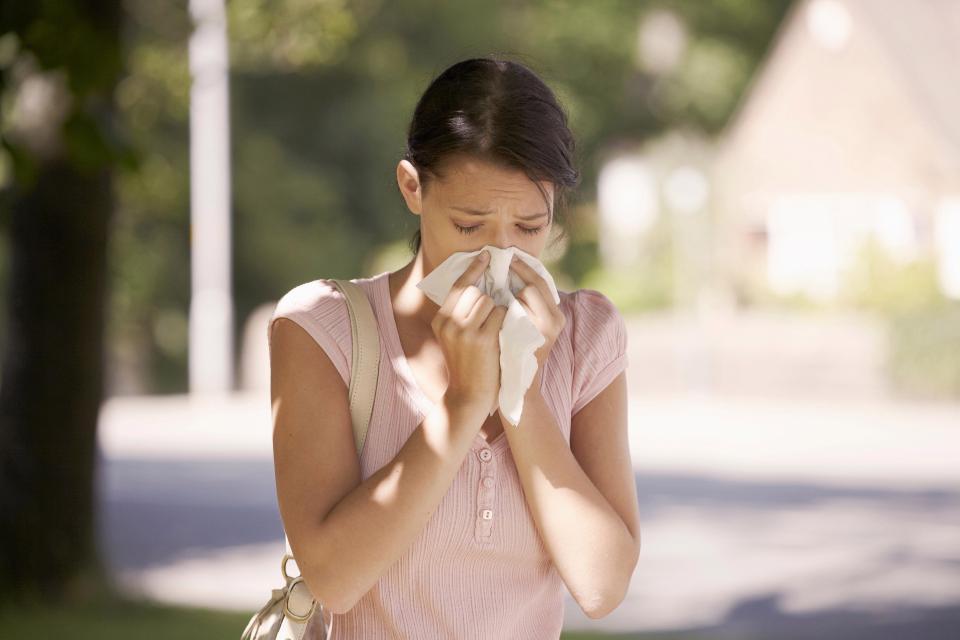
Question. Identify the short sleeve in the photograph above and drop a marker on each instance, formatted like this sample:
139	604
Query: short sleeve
321	309
599	346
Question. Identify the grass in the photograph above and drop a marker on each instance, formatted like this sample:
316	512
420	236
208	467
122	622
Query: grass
117	619
112	619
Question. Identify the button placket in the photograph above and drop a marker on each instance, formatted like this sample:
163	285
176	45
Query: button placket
486	490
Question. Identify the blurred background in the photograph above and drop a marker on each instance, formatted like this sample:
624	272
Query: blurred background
771	196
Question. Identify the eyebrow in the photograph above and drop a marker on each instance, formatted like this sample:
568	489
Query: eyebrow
477	212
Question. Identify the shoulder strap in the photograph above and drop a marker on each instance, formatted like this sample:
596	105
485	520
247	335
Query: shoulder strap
365	366
366	358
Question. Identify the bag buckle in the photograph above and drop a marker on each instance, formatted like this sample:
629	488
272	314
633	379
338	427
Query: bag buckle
283	567
286	602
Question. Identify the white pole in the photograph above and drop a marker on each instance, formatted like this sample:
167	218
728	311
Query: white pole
947	246
211	303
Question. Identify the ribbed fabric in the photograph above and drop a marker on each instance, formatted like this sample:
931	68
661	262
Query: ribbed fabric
463	576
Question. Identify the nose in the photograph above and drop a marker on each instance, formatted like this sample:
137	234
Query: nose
502	237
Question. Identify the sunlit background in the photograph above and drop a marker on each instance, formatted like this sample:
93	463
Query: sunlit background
771	196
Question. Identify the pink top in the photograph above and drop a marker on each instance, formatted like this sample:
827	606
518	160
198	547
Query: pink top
478	569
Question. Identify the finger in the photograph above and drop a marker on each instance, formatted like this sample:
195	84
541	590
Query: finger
532	299
467	278
530	276
495	320
455	309
472	273
465	304
481	309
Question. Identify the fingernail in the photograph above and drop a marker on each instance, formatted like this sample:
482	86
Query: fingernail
484	255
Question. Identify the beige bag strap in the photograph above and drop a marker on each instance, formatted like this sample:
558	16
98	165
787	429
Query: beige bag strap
365	369
366	358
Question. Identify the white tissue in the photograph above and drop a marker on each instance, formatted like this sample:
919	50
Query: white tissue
519	336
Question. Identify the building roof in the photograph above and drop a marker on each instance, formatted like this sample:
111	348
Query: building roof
922	42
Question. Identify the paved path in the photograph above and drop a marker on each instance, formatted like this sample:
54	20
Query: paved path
783	493
758	513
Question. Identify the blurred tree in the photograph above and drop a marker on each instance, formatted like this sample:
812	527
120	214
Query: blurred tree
320	114
922	324
149	257
62	63
321	94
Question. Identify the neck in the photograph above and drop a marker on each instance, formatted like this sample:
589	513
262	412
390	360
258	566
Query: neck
408	300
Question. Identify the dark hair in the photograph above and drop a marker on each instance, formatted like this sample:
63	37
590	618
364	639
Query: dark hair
496	110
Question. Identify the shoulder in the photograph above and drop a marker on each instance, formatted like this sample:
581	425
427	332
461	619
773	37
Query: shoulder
592	313
310	297
318	305
320	308
599	344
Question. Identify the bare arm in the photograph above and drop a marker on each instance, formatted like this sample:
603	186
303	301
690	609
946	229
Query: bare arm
582	496
346	533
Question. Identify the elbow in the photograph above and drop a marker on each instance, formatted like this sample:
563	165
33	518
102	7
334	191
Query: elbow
332	584
327	598
335	606
332	595
603	605
330	599
606	601
334	589
328	593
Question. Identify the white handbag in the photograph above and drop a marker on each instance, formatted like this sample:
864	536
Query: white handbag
290	608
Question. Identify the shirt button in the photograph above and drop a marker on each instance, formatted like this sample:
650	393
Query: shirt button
488	482
485	454
487	514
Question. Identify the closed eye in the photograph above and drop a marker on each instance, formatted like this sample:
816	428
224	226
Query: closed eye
527	230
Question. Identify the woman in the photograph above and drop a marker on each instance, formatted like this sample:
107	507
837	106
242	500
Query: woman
447	525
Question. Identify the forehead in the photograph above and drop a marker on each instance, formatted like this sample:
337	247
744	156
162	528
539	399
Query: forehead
478	181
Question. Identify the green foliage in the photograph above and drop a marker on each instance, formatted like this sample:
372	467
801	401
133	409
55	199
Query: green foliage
923	326
289	35
317	134
650	284
706	87
71	42
65	35
150	242
124	619
924	356
321	93
879	283
119	620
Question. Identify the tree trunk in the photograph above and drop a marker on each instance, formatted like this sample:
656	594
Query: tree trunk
51	374
52	381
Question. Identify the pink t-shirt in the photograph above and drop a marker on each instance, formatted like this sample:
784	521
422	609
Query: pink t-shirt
479	568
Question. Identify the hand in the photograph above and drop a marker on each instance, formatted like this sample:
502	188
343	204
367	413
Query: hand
467	327
537	301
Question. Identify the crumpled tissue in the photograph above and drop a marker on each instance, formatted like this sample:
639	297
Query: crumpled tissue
519	336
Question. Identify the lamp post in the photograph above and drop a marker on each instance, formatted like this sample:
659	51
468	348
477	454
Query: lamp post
627	198
211	303
686	191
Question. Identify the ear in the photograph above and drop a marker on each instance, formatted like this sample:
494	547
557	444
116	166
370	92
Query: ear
408	179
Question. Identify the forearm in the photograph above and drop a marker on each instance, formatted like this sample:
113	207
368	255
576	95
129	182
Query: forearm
589	543
374	524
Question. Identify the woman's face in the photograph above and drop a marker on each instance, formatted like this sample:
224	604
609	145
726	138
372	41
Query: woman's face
475	204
